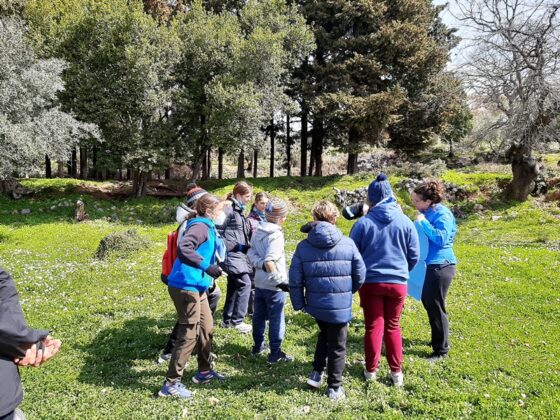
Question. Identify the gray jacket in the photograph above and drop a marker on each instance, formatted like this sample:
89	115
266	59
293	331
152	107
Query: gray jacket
268	245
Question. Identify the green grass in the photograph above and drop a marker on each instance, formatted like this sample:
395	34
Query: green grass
114	316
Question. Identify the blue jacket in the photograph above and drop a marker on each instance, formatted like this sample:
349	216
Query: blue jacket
326	269
388	242
440	228
191	278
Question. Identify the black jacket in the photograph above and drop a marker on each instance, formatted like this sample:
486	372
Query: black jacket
15	339
236	234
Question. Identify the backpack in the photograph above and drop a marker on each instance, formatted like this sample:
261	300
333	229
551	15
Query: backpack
170	255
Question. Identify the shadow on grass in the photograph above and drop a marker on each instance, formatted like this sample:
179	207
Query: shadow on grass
111	358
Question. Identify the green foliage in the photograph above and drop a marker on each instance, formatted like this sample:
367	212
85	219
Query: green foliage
32	123
120	244
114	318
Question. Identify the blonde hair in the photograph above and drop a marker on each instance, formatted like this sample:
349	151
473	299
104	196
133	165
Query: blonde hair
325	211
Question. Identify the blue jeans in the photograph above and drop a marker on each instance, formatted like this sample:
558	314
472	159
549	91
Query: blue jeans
269	305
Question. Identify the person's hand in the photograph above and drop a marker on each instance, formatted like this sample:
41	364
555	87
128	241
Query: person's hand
35	356
420	217
214	271
365	208
285	287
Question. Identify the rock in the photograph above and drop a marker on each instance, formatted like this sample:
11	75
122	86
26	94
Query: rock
496	218
478	207
26	211
81	214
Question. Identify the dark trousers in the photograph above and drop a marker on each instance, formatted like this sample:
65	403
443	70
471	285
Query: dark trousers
213	296
196	328
251	303
237	298
434	292
331	351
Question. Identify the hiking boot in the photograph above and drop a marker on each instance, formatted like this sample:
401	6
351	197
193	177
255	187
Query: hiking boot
336	394
279	357
370	376
397	378
243	328
176	389
204	378
314	379
163	358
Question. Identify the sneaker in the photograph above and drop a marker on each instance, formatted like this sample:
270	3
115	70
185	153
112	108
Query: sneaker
204	378
336	394
436	357
370	376
18	414
255	351
315	378
224	324
243	328
176	389
397	378
163	358
280	357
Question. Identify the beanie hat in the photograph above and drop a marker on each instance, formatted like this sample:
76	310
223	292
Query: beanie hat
194	194
379	190
275	210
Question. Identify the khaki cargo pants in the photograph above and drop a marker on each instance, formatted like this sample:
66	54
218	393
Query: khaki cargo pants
196	327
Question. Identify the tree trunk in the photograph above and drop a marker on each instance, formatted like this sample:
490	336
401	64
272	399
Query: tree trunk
451	152
272	138
94	163
129	174
255	163
83	162
220	163
48	167
12	187
303	142
241	165
168	173
288	146
352	166
139	184
209	164
317	146
60	171
525	170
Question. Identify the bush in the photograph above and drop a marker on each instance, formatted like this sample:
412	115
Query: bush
121	244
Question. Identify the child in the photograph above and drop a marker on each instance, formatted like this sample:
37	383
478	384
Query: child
189	279
326	270
271	280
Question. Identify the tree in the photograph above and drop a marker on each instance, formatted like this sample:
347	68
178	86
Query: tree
366	74
32	124
514	69
232	74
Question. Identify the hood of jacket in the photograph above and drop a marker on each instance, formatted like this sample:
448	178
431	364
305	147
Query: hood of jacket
322	234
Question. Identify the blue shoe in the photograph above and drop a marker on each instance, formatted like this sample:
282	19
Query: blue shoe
259	350
336	394
176	389
279	357
314	379
204	378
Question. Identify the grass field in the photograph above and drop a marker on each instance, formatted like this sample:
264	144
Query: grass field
114	317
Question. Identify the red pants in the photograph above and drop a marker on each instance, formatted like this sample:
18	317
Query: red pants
382	304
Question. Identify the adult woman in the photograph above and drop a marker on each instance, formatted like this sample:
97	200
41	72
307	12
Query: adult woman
388	242
190	278
439	225
236	233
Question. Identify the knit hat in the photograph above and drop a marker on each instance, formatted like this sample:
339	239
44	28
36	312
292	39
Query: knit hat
275	210
379	190
194	194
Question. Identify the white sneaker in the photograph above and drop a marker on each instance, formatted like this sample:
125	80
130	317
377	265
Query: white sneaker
243	328
370	376
397	378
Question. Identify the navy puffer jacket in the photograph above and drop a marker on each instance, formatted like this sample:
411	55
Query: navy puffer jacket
326	270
